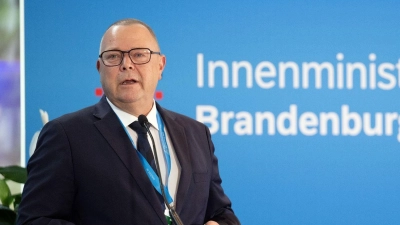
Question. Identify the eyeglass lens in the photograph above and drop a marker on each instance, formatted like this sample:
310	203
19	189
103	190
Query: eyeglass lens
115	57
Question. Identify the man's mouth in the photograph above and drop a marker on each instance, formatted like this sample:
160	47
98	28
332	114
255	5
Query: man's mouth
129	82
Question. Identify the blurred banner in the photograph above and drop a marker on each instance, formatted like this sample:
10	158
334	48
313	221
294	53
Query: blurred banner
10	138
301	96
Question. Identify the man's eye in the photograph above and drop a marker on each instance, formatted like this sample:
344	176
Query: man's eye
138	55
112	56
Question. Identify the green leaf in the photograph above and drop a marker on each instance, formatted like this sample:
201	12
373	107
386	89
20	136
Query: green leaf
5	193
17	200
7	216
14	173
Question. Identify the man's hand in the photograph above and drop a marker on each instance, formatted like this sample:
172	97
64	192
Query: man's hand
211	223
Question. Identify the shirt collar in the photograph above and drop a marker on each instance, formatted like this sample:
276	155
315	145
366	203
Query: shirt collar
127	118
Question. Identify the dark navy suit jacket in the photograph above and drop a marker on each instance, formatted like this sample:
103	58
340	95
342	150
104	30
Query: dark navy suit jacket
85	171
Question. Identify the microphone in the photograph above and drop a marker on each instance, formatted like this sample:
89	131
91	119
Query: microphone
174	215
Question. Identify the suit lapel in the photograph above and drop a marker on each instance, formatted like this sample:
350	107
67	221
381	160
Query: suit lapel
111	129
179	141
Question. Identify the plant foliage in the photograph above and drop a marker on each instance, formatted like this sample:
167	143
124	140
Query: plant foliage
13	173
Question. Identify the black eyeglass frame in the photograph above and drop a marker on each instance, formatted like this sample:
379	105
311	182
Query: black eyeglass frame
123	53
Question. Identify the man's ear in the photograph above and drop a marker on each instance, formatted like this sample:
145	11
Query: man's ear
162	62
98	65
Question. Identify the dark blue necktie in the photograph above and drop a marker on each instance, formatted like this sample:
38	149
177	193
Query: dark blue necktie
143	145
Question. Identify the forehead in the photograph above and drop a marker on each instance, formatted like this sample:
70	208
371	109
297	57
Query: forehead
126	37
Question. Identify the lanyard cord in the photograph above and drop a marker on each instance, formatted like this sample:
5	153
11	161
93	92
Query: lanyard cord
155	180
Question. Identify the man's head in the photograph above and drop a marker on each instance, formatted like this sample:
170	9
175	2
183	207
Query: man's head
130	86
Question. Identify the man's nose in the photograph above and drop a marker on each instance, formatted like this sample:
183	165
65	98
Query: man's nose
127	62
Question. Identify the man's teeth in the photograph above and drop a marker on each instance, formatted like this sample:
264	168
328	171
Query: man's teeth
129	82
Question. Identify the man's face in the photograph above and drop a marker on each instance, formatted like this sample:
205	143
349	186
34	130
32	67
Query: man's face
129	83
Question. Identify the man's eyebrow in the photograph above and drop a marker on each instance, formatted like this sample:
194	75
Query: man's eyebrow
111	49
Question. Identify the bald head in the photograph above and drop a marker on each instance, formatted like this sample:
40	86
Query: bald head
128	22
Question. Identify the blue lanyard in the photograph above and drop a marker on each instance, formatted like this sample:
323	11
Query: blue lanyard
148	169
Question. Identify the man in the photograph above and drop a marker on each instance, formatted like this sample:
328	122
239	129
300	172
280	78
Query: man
86	169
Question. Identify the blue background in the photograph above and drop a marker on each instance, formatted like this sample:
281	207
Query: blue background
271	179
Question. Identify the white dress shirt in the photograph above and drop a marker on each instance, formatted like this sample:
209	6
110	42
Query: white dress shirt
173	179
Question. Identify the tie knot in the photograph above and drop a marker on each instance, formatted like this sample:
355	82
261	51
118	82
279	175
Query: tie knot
137	127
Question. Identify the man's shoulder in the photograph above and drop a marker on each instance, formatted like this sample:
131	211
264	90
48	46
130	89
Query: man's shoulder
89	113
79	115
178	117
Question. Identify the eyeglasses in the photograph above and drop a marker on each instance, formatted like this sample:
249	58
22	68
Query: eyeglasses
138	56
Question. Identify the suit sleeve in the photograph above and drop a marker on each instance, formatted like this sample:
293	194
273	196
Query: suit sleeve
49	191
219	206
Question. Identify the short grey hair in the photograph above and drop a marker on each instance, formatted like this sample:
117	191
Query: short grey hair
130	21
